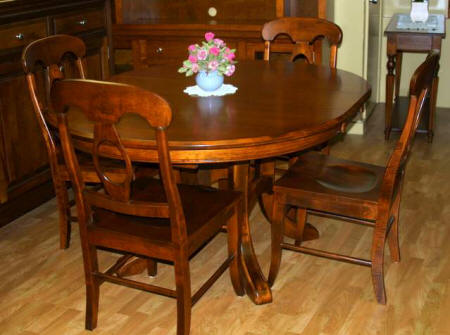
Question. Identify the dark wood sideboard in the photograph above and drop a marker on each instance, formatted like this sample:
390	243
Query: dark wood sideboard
25	180
159	31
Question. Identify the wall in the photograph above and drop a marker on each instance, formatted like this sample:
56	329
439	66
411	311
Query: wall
351	19
411	61
352	53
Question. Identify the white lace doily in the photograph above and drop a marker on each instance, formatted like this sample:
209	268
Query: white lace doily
223	90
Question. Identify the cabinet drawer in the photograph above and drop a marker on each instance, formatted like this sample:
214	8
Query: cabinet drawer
160	52
20	34
76	23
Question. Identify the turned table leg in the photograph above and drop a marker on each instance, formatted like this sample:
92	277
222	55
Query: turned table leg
390	79
398	74
432	109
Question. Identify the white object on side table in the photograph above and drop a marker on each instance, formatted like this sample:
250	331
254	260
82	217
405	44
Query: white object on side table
419	11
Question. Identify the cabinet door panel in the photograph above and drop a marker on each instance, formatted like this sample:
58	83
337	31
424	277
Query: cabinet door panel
23	143
3	167
97	58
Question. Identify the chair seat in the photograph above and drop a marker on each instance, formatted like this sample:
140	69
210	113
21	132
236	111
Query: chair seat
330	184
201	205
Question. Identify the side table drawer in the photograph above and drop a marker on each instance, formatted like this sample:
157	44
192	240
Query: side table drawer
20	34
414	42
80	22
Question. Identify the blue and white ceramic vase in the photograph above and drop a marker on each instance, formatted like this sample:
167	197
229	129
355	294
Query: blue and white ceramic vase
209	81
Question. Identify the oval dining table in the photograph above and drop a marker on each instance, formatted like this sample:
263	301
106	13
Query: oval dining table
280	107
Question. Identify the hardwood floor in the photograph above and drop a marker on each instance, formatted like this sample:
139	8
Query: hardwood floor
42	287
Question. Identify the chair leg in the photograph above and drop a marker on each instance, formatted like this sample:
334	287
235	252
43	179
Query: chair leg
183	288
393	242
377	257
300	225
292	161
152	267
62	200
393	233
277	239
234	243
325	149
92	287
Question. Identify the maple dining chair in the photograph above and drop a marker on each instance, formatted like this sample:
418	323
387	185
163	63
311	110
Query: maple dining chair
44	61
45	56
306	33
360	193
148	217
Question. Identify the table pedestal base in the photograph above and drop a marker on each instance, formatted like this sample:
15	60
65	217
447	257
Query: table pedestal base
255	185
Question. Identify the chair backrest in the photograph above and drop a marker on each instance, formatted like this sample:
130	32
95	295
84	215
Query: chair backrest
47	56
104	103
306	34
419	90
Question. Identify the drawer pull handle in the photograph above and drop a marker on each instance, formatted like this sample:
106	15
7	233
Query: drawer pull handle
82	22
159	50
20	36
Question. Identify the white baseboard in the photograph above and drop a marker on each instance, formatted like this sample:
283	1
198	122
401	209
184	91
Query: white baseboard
357	126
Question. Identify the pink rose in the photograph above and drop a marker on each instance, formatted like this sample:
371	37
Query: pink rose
219	42
213	65
230	56
192	59
214	51
192	47
202	54
230	70
209	36
194	67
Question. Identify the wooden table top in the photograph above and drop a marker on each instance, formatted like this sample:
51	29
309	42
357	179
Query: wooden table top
280	107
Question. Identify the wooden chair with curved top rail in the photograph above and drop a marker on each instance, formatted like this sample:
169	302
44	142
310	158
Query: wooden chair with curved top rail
351	191
46	55
149	217
53	57
306	34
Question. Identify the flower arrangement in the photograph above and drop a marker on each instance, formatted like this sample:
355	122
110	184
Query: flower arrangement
212	55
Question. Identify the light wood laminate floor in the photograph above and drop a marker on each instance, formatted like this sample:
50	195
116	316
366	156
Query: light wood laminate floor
42	287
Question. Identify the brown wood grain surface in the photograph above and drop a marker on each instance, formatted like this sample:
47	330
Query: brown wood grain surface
280	107
352	191
42	290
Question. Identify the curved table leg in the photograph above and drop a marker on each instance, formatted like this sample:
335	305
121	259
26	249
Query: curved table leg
256	285
267	168
290	228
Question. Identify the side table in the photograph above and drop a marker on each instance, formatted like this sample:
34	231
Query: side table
404	38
